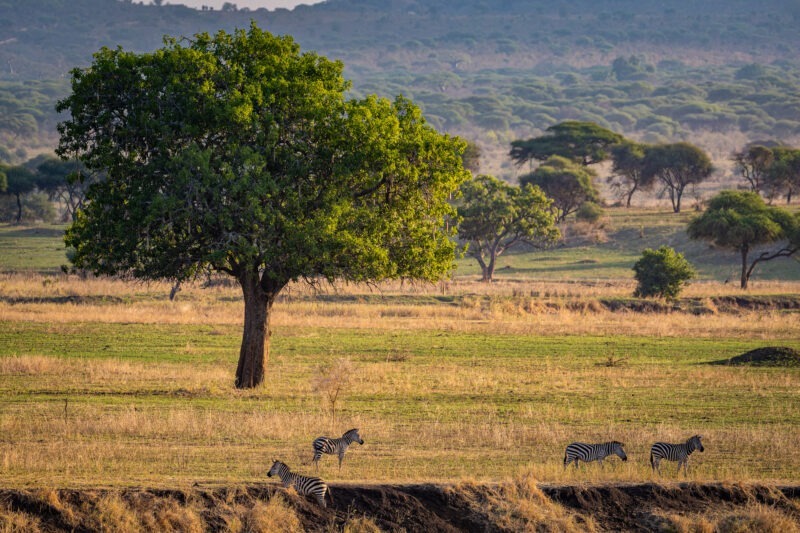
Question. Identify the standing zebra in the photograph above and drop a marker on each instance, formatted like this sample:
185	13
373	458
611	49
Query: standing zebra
593	452
335	446
674	452
307	486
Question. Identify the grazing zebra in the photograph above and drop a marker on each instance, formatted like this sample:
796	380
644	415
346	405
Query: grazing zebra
593	452
307	486
335	446
674	452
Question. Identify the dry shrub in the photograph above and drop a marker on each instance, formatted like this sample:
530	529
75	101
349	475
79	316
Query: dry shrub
520	505
760	518
274	516
331	382
18	522
111	513
361	524
171	516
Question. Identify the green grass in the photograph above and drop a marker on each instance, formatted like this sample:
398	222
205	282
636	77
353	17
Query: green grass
38	248
433	413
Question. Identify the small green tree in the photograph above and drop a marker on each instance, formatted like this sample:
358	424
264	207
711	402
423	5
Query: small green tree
740	221
569	184
20	181
627	173
753	164
661	273
496	216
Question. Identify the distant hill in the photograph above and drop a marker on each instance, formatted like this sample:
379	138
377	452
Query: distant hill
718	73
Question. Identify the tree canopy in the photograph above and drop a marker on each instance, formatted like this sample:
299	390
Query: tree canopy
740	221
239	154
569	184
661	273
583	142
677	166
496	216
627	172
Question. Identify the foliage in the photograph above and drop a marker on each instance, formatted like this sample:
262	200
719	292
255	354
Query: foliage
19	181
495	217
585	143
661	273
783	174
740	221
589	212
676	166
627	172
753	163
238	154
568	184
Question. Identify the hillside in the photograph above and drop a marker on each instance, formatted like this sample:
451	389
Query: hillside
719	74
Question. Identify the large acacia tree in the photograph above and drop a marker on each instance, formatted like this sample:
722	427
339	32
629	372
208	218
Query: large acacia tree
585	143
239	154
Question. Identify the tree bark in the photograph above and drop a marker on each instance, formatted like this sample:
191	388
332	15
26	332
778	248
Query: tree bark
745	273
19	208
254	352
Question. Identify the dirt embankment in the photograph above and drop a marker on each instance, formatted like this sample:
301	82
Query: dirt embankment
423	507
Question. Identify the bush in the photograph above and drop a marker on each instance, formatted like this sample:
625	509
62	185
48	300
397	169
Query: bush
589	212
661	273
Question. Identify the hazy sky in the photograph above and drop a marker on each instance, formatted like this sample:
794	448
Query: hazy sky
252	4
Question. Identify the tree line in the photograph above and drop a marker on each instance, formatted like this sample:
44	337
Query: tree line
496	216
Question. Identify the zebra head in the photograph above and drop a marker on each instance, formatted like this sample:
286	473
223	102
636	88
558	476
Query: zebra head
617	449
695	444
276	468
353	436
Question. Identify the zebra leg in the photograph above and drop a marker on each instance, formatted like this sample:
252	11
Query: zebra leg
341	456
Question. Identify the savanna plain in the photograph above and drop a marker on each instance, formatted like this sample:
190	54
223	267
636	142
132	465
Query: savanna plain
110	384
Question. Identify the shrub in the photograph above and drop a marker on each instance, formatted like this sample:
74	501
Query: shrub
589	212
661	273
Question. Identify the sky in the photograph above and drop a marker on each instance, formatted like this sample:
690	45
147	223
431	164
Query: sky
252	4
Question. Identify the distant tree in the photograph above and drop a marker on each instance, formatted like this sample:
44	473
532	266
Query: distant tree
753	164
782	177
568	184
3	178
661	273
631	68
585	143
495	217
627	172
676	166
20	181
238	154
471	158
740	221
62	181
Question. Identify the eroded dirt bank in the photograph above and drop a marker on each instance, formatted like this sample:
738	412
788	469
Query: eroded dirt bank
421	507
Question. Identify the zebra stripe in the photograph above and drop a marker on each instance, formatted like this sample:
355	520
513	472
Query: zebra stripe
580	451
335	446
307	486
674	452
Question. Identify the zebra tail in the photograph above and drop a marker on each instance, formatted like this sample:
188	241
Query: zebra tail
652	462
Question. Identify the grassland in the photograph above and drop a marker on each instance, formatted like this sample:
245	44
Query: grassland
105	383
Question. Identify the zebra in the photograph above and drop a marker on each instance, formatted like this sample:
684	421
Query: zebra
335	446
674	452
307	486
593	452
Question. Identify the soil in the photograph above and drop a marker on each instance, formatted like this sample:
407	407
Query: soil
781	356
420	507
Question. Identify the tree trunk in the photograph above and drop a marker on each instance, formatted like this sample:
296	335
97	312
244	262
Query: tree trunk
254	352
745	273
676	205
630	195
19	208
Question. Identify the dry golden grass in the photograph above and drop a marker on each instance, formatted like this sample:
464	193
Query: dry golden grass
525	307
753	517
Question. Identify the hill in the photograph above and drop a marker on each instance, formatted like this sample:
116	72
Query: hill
718	74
